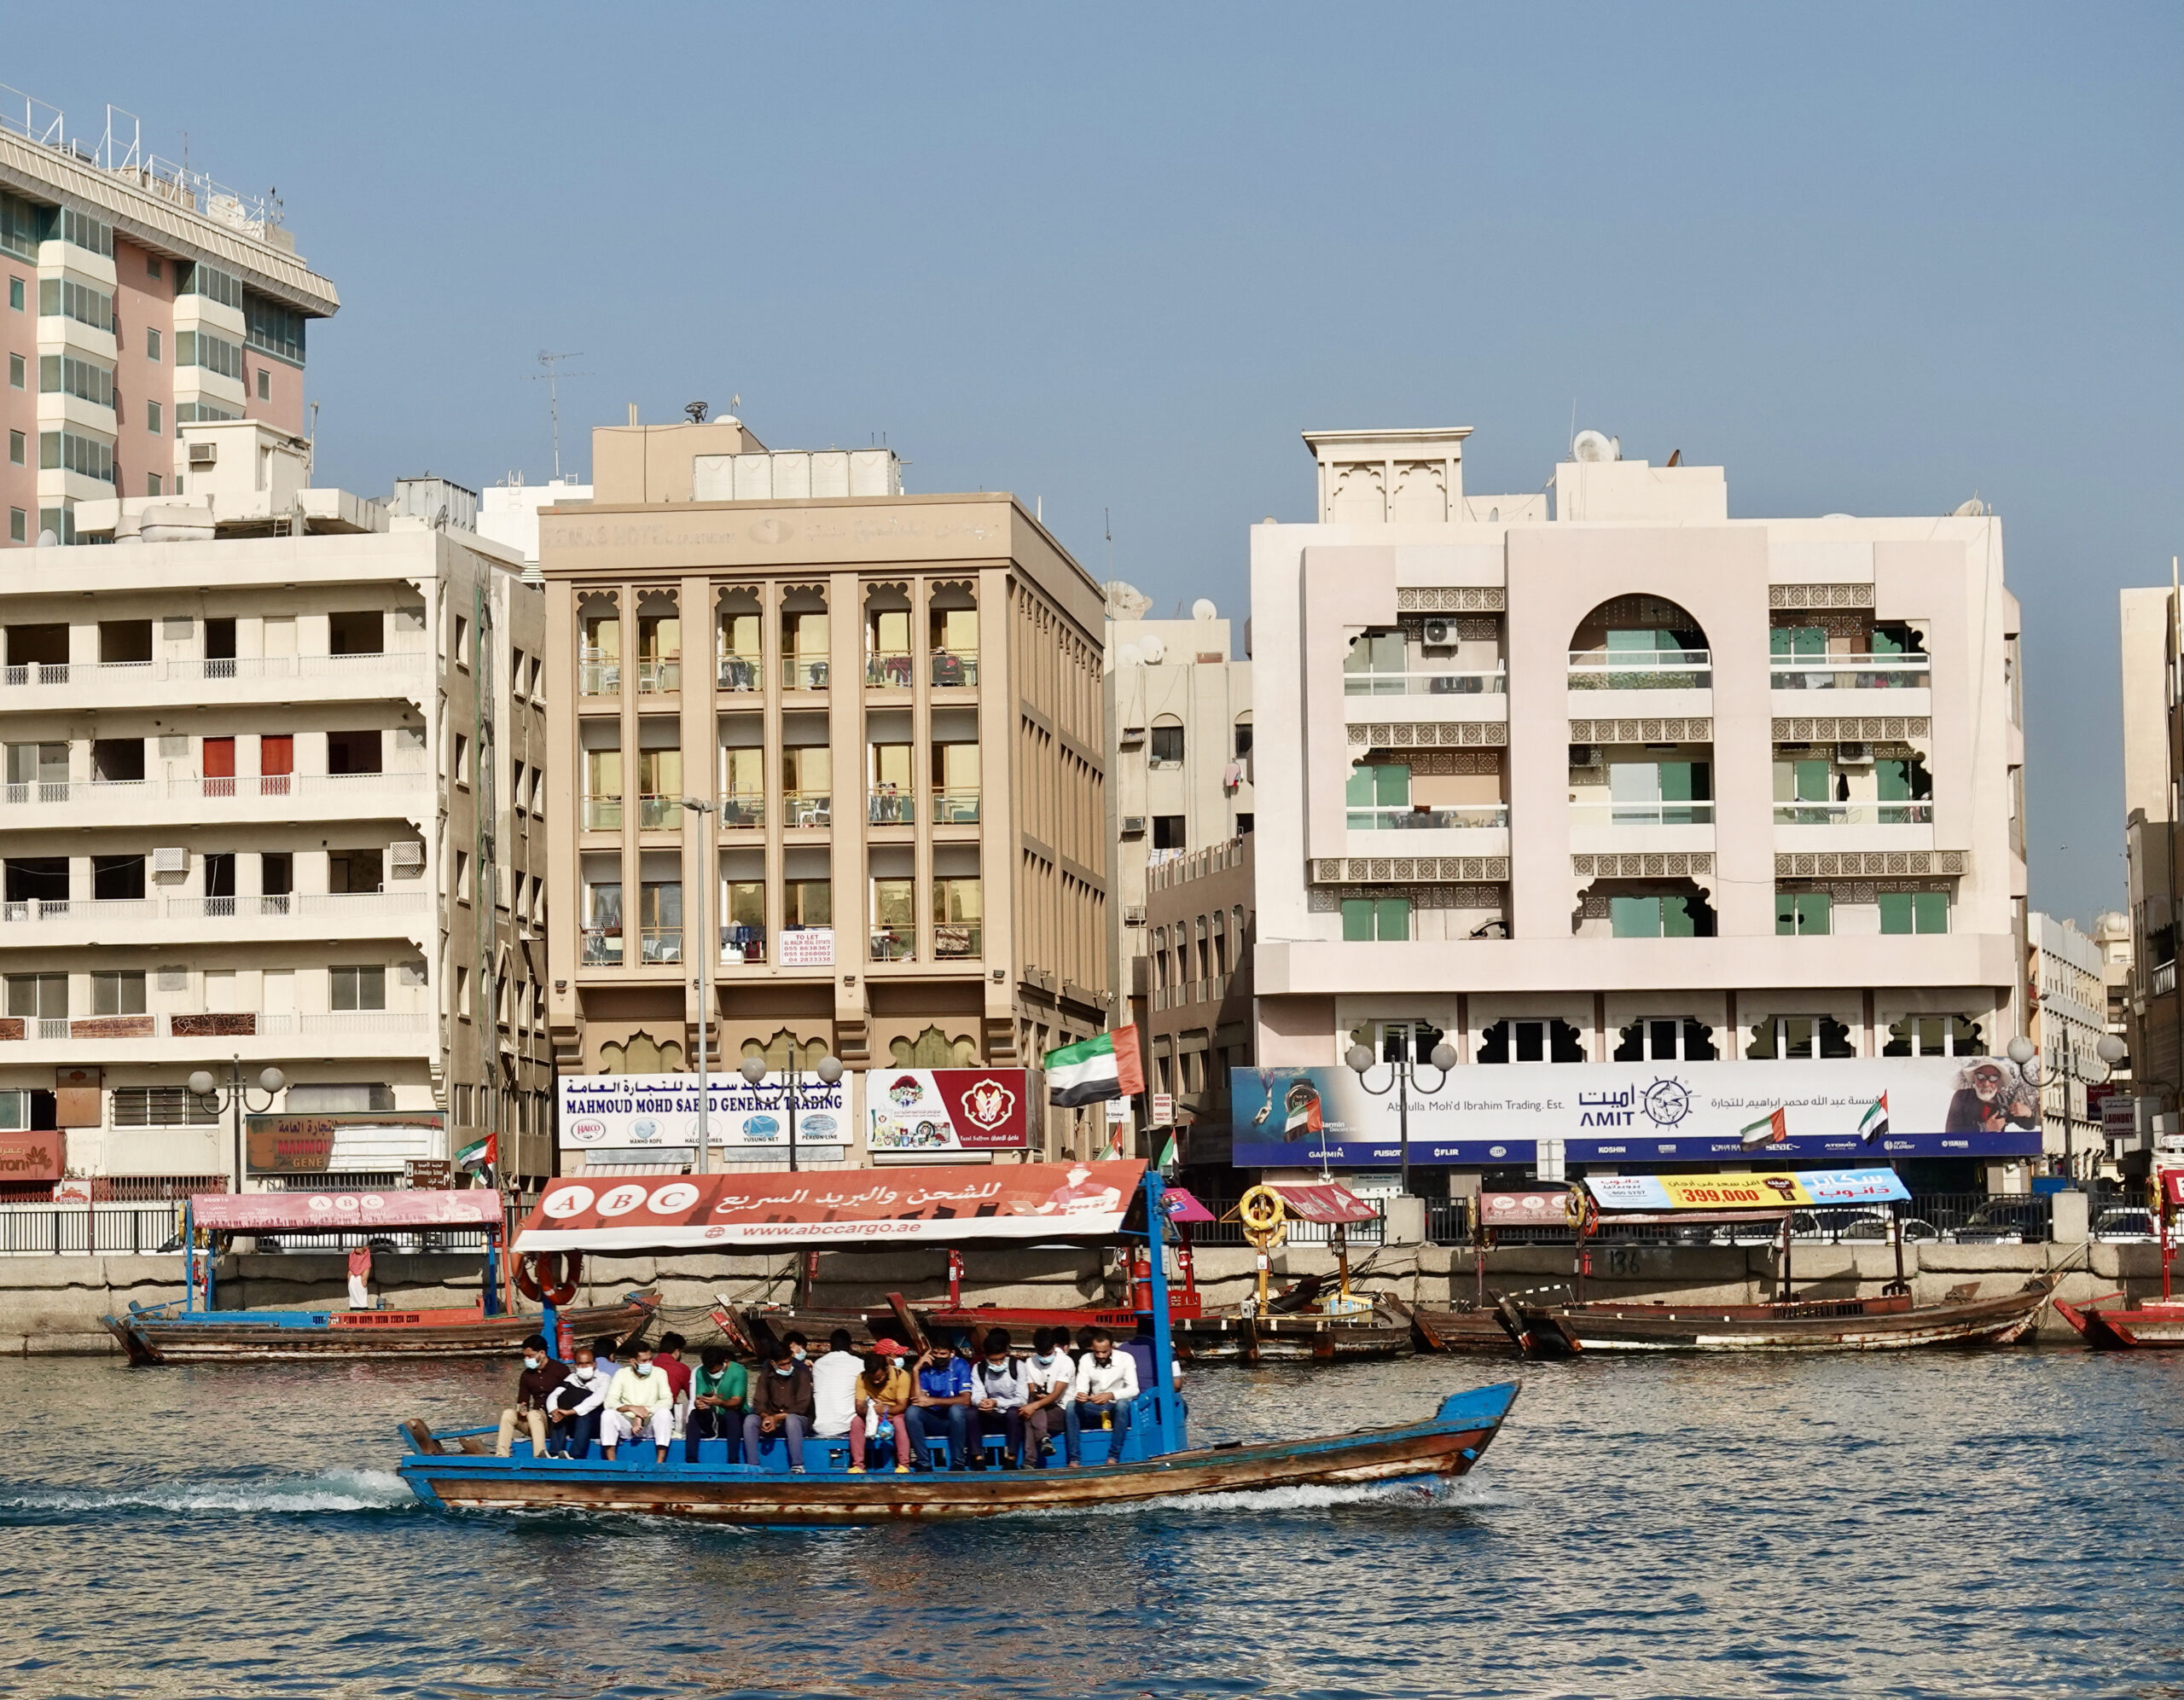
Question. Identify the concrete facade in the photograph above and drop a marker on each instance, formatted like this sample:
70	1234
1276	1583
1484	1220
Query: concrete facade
2153	758
1644	761
272	797
893	701
1193	985
2065	974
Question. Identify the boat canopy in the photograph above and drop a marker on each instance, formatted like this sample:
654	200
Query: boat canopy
346	1212
2173	1182
1763	1190
865	1207
1323	1201
1182	1207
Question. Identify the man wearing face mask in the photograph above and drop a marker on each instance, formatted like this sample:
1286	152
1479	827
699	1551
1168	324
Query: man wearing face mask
780	1404
541	1376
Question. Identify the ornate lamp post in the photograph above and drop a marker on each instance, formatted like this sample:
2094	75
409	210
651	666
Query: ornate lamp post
1401	1076
2108	1052
232	1098
828	1070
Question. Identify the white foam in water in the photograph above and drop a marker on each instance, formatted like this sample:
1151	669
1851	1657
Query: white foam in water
334	1490
1433	1493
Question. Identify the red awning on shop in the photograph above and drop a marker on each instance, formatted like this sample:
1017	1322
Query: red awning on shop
346	1212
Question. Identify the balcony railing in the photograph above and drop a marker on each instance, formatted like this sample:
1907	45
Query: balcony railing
1422	817
890	668
890	807
602	947
406	663
1484	683
659	676
743	808
1642	814
220	1024
316	903
739	673
81	908
660	944
1920	813
1641	670
1849	672
804	673
892	945
956	808
38	791
956	941
2165	978
953	668
597	675
36	673
742	944
656	813
807	809
602	814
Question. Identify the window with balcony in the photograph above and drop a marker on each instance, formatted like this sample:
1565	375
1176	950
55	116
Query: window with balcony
1660	915
660	920
602	790
1677	792
659	788
955	785
355	752
1378	793
1370	919
807	785
357	870
598	656
1913	911
1789	1038
1398	1041
958	918
1802	915
808	903
737	651
117	877
743	786
1935	1035
888	660
276	880
36	879
1639	643
953	636
602	921
118	761
40	1002
1905	790
219	868
1549	1040
743	921
660	654
355	987
894	921
37	773
806	639
118	991
892	795
361	631
1665	1039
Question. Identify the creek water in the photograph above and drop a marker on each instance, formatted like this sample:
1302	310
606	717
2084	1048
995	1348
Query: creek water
1924	1524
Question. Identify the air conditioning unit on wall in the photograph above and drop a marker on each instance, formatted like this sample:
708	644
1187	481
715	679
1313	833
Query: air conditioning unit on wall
1584	755
1133	825
1440	634
1853	754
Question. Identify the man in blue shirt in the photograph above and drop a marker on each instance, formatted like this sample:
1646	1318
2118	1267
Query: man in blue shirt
940	1401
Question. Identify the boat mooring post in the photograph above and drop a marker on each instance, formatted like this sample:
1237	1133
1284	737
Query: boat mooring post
1156	1245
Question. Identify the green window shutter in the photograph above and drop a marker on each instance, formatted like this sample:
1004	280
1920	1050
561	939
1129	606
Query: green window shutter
1814	909
1812	781
1391	786
1359	795
1896	912
1892	780
1357	921
1778	641
1808	640
1393	917
1929	911
1786	915
1675	781
1676	921
1634	917
1885	643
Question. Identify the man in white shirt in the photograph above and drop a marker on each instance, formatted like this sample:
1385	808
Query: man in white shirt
641	1397
1050	1389
573	1408
834	1387
1106	1382
997	1396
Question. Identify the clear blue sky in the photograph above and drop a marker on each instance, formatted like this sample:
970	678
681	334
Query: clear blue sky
1870	258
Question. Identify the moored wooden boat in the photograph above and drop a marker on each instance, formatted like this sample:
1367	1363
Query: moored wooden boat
444	1475
2124	1328
1889	1323
1471	1329
166	1336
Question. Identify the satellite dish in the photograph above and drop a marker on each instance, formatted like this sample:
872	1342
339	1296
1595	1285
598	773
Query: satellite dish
1970	509
1203	609
1593	446
1155	650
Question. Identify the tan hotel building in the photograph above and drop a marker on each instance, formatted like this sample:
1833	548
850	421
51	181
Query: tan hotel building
893	702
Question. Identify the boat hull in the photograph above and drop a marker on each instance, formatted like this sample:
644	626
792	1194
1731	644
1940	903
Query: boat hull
1823	1325
1459	1331
1444	1448
338	1334
2126	1329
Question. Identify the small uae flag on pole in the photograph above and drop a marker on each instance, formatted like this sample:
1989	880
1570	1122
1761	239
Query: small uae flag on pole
475	1155
1874	1124
1772	1130
1097	1069
1167	1153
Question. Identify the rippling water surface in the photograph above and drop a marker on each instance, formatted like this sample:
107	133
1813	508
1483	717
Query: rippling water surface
1938	1525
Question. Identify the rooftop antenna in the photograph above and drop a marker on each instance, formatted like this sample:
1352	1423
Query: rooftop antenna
553	378
1110	525
311	452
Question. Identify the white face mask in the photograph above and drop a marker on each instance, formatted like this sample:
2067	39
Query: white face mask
530	1363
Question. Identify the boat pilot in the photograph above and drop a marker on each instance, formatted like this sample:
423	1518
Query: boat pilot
360	1277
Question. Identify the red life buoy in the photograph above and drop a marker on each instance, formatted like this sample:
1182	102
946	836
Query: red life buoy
541	1276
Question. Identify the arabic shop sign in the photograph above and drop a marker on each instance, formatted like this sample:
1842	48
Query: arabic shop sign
946	1110
1761	1190
340	1140
639	1112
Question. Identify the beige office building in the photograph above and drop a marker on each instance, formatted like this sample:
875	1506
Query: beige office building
273	761
893	703
2153	632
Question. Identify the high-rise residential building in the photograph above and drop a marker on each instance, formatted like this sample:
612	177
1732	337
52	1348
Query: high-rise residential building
275	760
142	297
2152	634
2065	971
891	705
1661	821
1179	741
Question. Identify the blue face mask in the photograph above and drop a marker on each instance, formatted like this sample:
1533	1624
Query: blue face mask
784	1370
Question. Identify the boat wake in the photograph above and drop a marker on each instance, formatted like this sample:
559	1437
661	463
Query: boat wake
331	1490
1434	1494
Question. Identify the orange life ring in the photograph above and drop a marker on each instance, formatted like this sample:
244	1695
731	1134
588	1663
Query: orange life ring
541	1277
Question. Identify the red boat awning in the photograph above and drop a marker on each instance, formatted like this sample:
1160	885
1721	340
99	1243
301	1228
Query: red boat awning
2173	1181
1184	1206
343	1212
840	1208
1323	1201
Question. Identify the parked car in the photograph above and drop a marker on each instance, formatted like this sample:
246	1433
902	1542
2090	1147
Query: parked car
2127	1224
1872	1225
2006	1221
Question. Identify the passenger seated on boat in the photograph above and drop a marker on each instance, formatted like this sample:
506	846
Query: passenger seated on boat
1106	1382
1051	1388
780	1404
639	1399
997	1396
883	1399
834	1387
940	1406
718	1391
541	1376
602	1353
573	1408
668	1359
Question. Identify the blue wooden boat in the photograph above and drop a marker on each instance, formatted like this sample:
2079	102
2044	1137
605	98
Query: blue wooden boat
1151	1459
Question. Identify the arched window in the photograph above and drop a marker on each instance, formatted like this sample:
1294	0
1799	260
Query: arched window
785	1050
1639	642
641	1053
934	1049
1242	746
1166	747
1549	1040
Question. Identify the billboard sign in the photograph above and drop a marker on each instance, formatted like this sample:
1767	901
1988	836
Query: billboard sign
1761	1190
640	1112
340	1140
1866	1108
30	1155
947	1109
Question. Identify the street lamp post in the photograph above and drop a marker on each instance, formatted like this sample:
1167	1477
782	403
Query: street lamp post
828	1070
2108	1051
1401	1073
234	1097
706	947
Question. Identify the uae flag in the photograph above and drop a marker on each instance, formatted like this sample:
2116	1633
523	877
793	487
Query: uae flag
1874	1124
1771	1131
475	1155
1098	1068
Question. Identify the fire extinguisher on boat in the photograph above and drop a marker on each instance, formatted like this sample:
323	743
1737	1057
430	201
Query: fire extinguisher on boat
1141	1283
